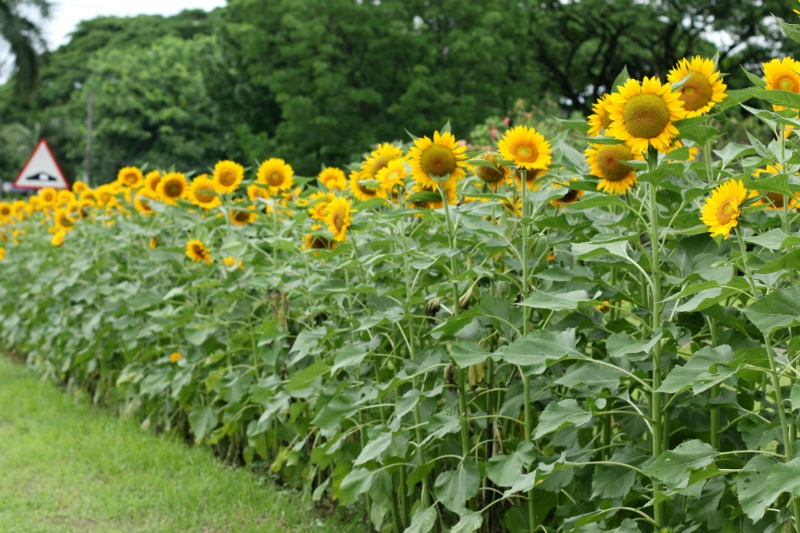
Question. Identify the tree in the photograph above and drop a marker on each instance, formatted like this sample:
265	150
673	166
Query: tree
24	38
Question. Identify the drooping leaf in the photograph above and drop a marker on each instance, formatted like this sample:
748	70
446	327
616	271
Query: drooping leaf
560	415
202	420
704	369
672	465
454	487
778	310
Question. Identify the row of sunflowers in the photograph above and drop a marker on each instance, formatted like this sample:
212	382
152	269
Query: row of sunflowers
526	339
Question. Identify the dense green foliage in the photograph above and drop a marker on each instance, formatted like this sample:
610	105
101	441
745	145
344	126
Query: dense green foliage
319	82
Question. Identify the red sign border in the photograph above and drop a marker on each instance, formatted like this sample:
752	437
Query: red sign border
43	141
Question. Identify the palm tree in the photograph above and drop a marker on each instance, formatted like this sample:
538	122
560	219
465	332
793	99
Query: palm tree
25	39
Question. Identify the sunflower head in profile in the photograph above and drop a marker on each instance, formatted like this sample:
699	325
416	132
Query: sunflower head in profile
78	187
141	202
64	219
48	196
774	201
438	162
130	177
600	120
391	175
153	242
317	242
333	178
702	90
173	187
606	162
227	176
494	175
319	205
203	192
572	195
243	216
721	212
782	75
362	191
6	211
276	174
526	148
151	180
198	252
642	114
85	207
58	238
339	218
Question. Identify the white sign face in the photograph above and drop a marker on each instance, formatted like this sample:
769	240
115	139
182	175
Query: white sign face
41	171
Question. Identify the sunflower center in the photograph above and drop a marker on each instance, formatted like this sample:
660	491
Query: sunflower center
366	190
489	174
145	205
787	83
130	179
727	211
776	199
393	176
608	161
338	219
568	198
380	162
696	92
438	160
6	212
173	189
65	221
646	116
227	178
203	194
275	178
199	251
525	152
241	216
318	243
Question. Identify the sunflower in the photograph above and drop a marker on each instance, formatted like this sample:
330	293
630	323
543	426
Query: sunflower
361	191
227	176
64	197
63	219
48	196
605	162
89	194
277	174
338	218
702	90
319	208
105	195
58	238
600	120
130	177
392	174
6	210
84	207
317	242
142	201
198	252
172	187
2	254
642	114
572	195
721	211
782	75
243	217
174	357
36	203
78	187
773	200
203	192
151	180
259	191
495	175
530	178
333	178
526	147
153	242
21	209
433	161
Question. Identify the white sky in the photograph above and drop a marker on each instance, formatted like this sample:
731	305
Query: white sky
67	13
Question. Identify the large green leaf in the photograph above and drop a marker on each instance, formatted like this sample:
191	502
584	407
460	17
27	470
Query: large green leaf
558	301
705	369
560	415
671	466
202	420
374	448
613	480
593	376
454	487
423	521
306	377
539	348
504	470
469	522
778	310
358	481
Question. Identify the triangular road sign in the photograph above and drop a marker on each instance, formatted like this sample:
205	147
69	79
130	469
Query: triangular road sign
41	171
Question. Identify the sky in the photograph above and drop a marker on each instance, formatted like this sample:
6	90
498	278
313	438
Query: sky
67	13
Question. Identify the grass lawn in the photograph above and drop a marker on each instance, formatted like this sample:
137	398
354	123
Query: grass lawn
67	467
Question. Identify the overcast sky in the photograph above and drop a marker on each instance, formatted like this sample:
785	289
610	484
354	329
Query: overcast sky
67	13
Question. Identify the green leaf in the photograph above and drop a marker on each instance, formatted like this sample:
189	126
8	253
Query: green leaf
778	97
454	487
356	482
540	347
374	448
779	184
734	98
792	31
306	377
704	370
758	82
593	376
560	415
586	250
671	466
348	356
733	151
795	396
504	470
467	353
772	240
620	80
557	302
699	134
604	200
423	520
343	404
470	521
780	309
789	261
615	481
621	344
202	420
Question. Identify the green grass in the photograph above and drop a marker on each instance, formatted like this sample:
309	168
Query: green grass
66	467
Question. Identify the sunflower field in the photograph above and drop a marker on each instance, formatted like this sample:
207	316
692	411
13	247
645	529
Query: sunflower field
525	339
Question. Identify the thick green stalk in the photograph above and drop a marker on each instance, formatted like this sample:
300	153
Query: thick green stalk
714	393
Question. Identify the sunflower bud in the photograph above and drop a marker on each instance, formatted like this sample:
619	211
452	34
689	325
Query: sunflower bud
476	375
449	374
432	307
463	302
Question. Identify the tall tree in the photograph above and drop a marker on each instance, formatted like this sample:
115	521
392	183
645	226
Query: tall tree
24	38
